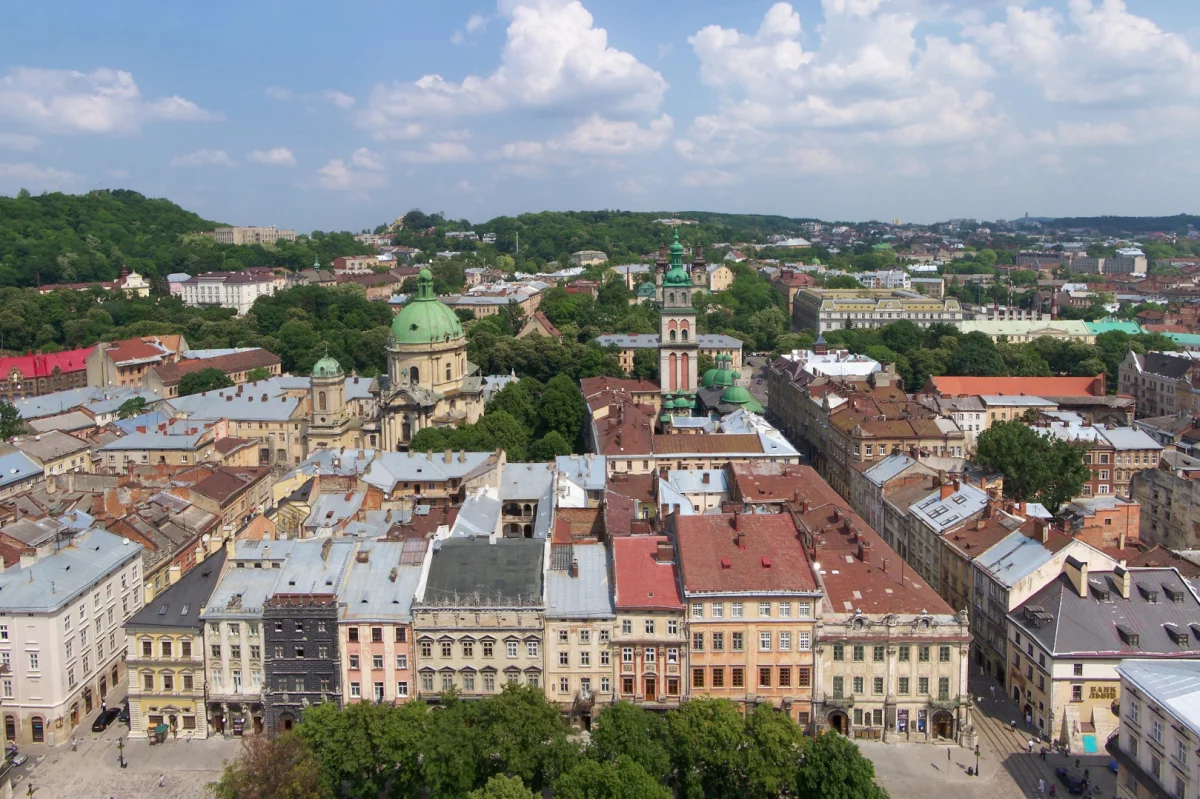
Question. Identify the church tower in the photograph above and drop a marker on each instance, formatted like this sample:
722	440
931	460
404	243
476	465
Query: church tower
330	420
677	349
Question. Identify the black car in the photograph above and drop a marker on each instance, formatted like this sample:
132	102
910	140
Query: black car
106	718
1074	780
124	717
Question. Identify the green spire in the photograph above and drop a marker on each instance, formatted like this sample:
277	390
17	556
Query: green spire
676	252
316	263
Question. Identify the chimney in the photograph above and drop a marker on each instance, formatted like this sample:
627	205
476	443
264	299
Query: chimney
704	477
804	507
1123	580
462	456
1077	573
449	455
174	573
665	552
948	488
1042	529
573	569
864	551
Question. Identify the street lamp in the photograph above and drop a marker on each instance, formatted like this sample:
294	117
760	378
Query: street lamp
976	760
121	751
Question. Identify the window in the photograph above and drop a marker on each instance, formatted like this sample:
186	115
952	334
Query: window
737	642
649	654
402	687
839	652
839	687
923	686
148	682
1156	767
169	681
859	653
604	637
585	636
943	688
355	690
627	626
902	688
215	649
785	610
377	661
764	642
511	648
648	626
468	649
627	655
401	662
803	676
426	649
401	637
805	642
1077	669
943	654
697	678
531	649
626	685
352	635
1156	730
672	655
877	686
33	661
564	658
1076	693
354	666
785	641
735	610
189	683
147	648
3	632
447	682
718	642
922	654
564	685
737	677
697	610
764	610
858	685
604	657
489	682
300	652
805	610
585	658
427	682
718	610
877	654
672	628
764	677
1181	751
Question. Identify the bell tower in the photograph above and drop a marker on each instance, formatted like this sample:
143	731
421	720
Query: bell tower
677	349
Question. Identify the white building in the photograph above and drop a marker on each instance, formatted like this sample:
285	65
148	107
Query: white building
236	290
250	234
1160	729
62	638
886	279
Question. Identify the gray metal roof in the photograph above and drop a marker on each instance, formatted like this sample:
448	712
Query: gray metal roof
1130	438
180	605
241	593
382	588
478	516
390	468
526	480
942	514
15	467
227	403
1092	626
62	401
628	341
584	470
1013	557
49	446
332	509
316	566
698	481
1173	685
58	578
888	468
589	594
154	441
478	572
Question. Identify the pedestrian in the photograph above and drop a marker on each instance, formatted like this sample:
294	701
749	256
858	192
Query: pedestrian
162	778
103	706
1043	753
1052	793
1028	720
993	692
1013	724
947	756
1031	746
1041	785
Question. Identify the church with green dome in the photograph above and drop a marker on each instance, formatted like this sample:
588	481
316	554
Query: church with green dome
430	382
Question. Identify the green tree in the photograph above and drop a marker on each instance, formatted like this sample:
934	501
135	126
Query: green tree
708	749
833	768
271	768
258	373
517	400
624	729
976	356
622	778
562	407
505	432
10	420
501	787
903	336
842	282
366	748
777	745
1036	467
209	379
131	407
549	446
645	364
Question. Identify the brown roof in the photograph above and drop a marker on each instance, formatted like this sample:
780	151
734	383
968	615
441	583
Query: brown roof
595	385
726	442
764	482
575	524
228	481
134	349
742	553
229	444
1016	386
1161	556
172	373
546	324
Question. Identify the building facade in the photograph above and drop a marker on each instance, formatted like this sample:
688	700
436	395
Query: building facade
579	626
251	234
1160	729
303	665
823	310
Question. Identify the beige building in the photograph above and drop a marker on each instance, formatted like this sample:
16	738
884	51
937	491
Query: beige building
1169	497
187	447
1161	382
649	638
56	452
479	620
823	310
1159	731
250	234
1017	331
579	627
588	257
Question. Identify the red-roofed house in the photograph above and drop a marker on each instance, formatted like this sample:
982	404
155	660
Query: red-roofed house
649	639
753	604
124	363
25	376
540	325
948	386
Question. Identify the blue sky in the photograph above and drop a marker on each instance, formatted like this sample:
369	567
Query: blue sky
332	116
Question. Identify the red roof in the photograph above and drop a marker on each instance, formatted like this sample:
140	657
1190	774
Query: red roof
743	553
43	365
135	349
1017	386
547	325
640	580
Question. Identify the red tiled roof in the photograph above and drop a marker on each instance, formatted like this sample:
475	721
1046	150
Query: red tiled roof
640	581
724	442
595	385
32	366
1018	386
172	373
765	482
742	552
134	349
546	324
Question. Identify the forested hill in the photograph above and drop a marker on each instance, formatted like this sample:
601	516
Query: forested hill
1116	225
69	238
551	235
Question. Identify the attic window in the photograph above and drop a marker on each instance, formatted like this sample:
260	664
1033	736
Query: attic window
1177	636
162	610
726	563
1148	593
766	563
1128	635
1173	594
1101	590
183	610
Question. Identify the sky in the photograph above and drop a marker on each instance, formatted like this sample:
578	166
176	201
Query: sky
318	115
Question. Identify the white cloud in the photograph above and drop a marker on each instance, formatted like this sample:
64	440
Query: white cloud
338	176
331	96
276	156
19	142
707	177
595	136
1098	54
31	176
476	24
553	57
365	159
204	158
101	101
437	152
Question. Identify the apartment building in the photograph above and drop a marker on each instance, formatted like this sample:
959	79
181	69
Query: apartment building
125	363
62	638
56	452
580	617
1114	454
1169	500
752	604
1069	638
165	657
1161	382
479	622
375	623
274	413
1159	729
649	639
251	234
188	446
25	376
237	290
1127	261
823	310
164	379
629	344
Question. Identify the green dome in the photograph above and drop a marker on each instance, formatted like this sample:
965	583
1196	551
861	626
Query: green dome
425	320
736	395
327	367
723	377
676	276
676	248
708	378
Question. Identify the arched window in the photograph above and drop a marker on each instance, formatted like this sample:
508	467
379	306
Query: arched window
321	400
448	367
414	375
683	333
685	374
672	335
672	296
674	373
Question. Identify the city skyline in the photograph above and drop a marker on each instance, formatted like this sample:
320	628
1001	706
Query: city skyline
843	109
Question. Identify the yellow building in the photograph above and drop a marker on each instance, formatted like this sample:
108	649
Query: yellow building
165	657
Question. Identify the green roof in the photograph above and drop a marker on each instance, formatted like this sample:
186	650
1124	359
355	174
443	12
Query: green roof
676	276
1109	325
740	395
327	367
1184	339
647	289
708	378
425	320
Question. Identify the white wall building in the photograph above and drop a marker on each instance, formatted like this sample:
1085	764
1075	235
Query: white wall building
1160	729
237	290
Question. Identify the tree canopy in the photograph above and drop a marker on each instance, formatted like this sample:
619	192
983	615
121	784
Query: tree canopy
1036	466
209	379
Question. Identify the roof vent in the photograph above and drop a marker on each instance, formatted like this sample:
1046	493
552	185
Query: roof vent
766	563
726	563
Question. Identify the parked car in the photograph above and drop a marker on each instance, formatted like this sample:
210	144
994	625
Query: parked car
19	760
105	719
1072	779
124	717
